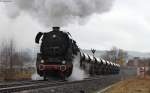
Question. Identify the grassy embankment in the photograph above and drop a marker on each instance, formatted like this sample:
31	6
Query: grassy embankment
134	85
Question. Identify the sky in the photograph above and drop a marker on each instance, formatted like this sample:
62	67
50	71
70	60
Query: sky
126	25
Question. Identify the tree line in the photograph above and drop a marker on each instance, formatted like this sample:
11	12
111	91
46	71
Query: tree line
11	59
116	55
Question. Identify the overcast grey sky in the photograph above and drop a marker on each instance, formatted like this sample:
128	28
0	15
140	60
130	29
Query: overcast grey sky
126	25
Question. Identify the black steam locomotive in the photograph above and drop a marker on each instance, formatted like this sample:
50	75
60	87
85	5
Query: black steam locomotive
56	56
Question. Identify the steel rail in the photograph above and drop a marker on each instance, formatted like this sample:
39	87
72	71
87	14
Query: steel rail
42	85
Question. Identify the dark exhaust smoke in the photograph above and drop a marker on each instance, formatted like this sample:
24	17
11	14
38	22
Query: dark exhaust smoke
59	12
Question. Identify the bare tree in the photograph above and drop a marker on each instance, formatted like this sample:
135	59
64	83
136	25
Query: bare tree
148	64
11	60
7	51
115	55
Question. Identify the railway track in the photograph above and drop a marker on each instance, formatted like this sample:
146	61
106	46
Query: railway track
43	84
18	83
28	87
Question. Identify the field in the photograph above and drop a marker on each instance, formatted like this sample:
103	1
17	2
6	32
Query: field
20	75
134	85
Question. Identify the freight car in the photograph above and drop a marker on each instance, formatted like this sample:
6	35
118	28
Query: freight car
57	52
97	66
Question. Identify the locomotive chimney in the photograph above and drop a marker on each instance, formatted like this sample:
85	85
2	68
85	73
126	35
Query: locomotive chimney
56	28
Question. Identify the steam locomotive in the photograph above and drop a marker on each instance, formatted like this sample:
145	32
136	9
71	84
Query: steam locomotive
57	52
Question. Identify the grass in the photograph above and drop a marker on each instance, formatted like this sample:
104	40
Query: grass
134	85
19	75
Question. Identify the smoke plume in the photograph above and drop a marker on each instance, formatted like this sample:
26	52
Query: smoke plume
59	12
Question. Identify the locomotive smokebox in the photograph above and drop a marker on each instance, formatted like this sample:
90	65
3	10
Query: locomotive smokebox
56	28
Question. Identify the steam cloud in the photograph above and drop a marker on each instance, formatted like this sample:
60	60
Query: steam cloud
59	12
78	73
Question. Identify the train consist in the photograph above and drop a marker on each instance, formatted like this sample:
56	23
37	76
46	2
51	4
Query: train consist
57	51
97	66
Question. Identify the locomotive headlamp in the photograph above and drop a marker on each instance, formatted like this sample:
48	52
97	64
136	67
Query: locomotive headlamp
64	62
54	36
42	61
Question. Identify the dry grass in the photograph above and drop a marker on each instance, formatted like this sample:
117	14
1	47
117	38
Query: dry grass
136	85
23	75
17	76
